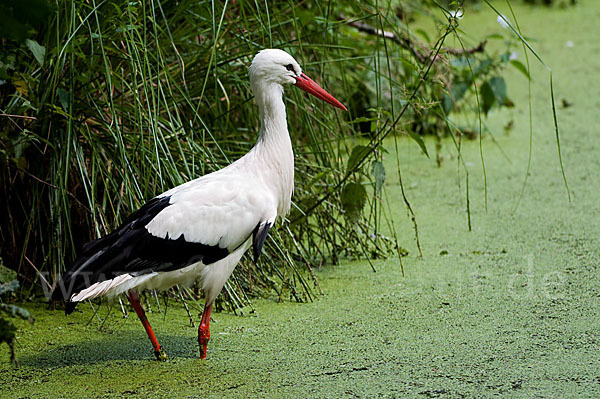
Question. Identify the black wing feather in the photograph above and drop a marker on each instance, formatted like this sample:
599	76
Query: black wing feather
258	238
132	249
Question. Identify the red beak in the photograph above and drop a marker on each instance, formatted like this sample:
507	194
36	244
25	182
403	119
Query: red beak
310	86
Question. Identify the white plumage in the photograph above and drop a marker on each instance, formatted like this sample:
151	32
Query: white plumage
207	223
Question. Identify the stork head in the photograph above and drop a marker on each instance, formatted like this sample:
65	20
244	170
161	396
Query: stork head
274	66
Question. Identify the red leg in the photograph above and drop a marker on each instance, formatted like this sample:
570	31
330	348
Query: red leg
204	330
135	302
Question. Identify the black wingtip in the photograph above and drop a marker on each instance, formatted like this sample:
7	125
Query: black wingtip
70	307
58	296
259	236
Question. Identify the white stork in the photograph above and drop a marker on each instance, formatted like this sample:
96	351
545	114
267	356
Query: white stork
201	229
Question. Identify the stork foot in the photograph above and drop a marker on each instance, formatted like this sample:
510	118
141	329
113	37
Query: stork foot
203	338
161	355
134	299
204	330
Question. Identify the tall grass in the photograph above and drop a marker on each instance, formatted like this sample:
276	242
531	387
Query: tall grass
117	101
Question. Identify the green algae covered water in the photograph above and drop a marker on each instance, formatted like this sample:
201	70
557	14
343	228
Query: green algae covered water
509	309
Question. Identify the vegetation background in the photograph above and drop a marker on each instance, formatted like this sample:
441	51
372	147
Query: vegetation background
105	104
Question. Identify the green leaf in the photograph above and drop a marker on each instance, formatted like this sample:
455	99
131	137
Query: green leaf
16	311
498	86
457	91
378	172
447	103
423	34
354	197
10	286
65	98
39	52
126	28
7	331
520	67
419	141
6	274
487	97
363	119
496	36
481	68
356	156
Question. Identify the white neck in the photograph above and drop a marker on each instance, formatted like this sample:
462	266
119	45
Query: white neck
274	147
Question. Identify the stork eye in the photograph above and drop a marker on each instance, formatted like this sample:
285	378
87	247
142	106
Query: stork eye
290	67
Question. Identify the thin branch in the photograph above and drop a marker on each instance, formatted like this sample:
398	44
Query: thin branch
480	48
403	41
43	279
19	116
410	43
